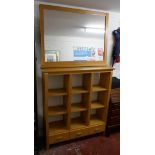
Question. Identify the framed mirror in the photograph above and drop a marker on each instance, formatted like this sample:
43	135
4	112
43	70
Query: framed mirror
72	37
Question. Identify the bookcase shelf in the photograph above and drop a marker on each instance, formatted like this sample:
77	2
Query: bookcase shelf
83	107
100	81
97	116
77	107
98	88
56	110
57	92
94	120
78	90
57	127
77	123
96	105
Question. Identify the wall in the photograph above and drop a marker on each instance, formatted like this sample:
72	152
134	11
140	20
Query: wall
114	23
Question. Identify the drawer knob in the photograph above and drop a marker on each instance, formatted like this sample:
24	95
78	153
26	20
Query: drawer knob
96	130
79	133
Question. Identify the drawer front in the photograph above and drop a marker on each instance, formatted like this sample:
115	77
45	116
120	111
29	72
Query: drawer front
79	133
96	129
58	138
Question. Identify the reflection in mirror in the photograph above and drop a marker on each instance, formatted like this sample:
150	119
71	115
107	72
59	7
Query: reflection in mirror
73	36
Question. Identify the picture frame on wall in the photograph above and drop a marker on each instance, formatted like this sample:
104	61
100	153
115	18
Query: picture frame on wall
52	56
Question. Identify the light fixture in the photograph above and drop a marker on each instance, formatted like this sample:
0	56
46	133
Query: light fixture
94	30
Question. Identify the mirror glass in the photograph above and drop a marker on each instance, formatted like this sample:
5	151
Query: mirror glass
73	36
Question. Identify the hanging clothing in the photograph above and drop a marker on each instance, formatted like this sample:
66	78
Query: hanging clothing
116	48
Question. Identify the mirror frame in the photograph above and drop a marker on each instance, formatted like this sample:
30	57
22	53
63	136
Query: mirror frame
44	64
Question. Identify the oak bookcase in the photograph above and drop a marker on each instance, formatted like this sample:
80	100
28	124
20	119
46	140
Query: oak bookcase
86	117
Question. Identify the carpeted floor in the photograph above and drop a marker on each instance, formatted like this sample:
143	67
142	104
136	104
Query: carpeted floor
96	145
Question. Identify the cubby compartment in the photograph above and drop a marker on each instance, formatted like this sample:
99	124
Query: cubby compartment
58	85
57	124
80	83
99	100
100	81
79	102
97	116
57	105
78	120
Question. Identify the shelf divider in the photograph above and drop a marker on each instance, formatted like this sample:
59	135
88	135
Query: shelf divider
68	86
45	107
109	81
87	82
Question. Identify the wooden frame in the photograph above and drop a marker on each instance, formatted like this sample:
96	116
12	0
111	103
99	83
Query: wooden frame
71	63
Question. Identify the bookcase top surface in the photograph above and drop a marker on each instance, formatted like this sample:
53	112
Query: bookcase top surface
76	69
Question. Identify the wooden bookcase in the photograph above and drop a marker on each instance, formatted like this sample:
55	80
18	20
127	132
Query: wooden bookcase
70	119
71	109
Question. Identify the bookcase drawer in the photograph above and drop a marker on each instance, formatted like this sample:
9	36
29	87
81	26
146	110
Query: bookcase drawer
79	133
96	129
58	138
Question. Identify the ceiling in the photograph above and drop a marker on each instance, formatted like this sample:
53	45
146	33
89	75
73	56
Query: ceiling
106	5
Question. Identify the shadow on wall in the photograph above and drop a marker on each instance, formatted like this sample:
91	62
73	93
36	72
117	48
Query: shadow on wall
39	79
40	106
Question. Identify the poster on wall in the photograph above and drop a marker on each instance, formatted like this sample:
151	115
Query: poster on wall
100	54
88	54
52	55
84	53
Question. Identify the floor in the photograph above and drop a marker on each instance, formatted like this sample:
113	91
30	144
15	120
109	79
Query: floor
96	145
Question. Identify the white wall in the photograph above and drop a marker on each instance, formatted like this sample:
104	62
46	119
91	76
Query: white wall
114	23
